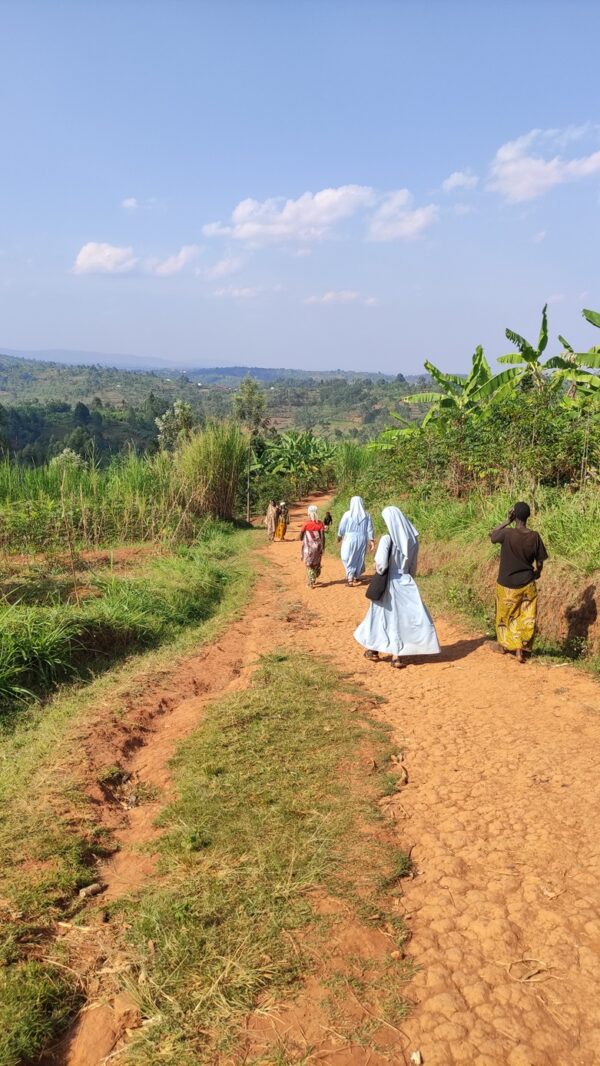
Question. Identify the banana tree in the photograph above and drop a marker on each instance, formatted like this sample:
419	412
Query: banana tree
299	456
458	395
528	371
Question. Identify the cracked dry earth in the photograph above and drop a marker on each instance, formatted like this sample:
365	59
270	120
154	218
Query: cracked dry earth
502	811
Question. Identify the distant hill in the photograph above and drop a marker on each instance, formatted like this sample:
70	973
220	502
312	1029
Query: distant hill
337	404
66	357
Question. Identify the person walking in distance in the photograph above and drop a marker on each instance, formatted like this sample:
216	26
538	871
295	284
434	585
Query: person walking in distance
271	519
283	517
312	536
355	533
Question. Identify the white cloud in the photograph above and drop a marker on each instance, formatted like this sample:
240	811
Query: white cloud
460	179
309	218
131	203
519	172
224	268
238	294
341	296
539	237
99	258
173	264
396	221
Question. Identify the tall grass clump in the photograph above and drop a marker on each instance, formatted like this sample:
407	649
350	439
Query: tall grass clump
134	499
209	466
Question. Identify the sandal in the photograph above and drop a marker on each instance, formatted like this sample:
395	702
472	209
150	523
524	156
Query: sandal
372	655
397	665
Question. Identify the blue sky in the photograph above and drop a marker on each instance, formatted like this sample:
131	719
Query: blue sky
319	184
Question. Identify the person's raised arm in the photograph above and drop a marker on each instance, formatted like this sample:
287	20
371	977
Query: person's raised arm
497	534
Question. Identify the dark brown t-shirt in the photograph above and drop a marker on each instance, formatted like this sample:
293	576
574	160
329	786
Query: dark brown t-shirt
520	549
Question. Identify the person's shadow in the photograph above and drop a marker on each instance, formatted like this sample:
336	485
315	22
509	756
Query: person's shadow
449	653
580	619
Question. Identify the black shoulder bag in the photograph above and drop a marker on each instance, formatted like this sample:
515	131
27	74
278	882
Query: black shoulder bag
377	585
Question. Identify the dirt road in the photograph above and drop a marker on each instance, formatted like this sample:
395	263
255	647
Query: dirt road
503	811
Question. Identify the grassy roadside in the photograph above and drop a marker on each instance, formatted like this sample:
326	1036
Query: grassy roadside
48	835
269	810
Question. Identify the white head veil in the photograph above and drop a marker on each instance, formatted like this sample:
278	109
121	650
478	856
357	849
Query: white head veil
313	512
357	508
405	537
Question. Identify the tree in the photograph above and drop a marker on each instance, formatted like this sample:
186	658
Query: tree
176	424
250	407
82	413
529	372
458	392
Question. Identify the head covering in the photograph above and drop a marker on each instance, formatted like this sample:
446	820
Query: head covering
522	511
313	511
357	508
282	503
403	533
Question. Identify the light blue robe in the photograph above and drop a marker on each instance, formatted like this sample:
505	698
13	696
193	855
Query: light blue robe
356	536
399	623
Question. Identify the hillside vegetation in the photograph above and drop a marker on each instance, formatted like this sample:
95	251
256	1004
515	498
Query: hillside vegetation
100	411
530	432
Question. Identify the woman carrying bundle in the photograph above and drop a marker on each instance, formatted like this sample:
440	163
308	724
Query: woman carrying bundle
283	517
271	519
312	536
398	623
355	532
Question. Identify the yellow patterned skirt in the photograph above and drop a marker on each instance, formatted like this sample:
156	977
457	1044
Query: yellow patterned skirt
516	611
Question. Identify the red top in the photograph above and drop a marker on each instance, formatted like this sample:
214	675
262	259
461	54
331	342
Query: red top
312	526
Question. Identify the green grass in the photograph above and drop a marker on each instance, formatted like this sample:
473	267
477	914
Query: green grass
35	1002
267	810
42	645
49	839
133	499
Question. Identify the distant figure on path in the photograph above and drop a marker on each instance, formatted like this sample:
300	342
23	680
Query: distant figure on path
271	519
398	624
327	520
522	557
312	536
283	517
355	532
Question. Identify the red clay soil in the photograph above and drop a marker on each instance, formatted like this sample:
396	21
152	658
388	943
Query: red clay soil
501	810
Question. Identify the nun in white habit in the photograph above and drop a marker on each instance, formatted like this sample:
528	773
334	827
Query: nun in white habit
399	623
355	531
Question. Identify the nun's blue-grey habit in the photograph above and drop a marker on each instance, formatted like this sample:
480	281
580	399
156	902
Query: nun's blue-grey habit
356	529
399	623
